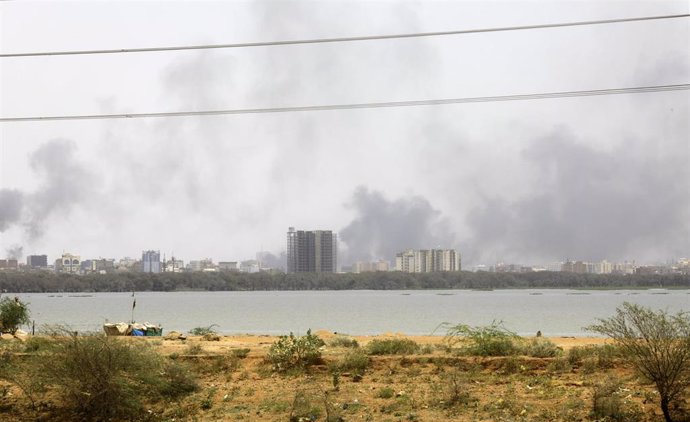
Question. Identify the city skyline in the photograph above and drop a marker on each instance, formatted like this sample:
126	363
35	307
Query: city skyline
586	178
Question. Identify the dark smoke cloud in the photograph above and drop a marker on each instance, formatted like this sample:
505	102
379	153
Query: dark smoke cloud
590	204
11	203
270	260
383	227
15	252
65	183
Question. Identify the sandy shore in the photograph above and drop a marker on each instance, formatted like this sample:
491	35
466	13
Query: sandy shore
258	342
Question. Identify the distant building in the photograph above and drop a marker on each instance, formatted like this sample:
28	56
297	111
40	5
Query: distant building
366	267
100	266
9	264
228	266
37	261
151	261
174	265
68	263
202	265
427	260
312	251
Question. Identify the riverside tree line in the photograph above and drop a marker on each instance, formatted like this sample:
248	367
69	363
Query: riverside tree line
38	282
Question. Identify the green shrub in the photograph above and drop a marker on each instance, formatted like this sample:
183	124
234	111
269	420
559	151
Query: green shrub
194	349
240	353
295	352
38	344
343	341
13	313
609	405
603	357
397	346
541	348
202	331
105	378
491	340
354	362
177	381
385	393
559	365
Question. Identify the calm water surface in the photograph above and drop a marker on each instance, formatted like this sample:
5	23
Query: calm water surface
554	312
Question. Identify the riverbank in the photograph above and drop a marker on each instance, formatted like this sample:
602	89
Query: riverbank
237	382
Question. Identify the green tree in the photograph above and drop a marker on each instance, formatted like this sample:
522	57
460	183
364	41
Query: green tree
657	344
13	313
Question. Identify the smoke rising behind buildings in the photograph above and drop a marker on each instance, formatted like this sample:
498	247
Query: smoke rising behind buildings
582	178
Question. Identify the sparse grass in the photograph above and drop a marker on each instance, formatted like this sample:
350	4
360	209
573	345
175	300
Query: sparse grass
397	346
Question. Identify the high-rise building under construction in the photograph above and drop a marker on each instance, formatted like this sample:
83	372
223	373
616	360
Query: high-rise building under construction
313	251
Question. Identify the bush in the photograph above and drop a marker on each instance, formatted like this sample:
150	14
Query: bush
202	331
608	404
240	353
104	378
13	313
295	352
491	340
397	346
343	341
355	362
657	344
593	357
541	348
385	393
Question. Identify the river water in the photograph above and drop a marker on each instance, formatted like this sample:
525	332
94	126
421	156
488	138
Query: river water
362	312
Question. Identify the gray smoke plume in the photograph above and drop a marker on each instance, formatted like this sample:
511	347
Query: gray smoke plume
383	227
65	182
11	203
591	205
269	260
15	252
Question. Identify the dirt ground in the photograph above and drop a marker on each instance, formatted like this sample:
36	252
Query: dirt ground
433	385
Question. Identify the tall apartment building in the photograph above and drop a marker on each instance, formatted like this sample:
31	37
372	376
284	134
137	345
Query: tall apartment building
427	260
151	262
37	261
312	251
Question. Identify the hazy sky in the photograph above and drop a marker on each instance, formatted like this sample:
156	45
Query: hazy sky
532	182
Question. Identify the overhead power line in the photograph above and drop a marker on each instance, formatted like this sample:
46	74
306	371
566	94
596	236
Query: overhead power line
390	104
342	39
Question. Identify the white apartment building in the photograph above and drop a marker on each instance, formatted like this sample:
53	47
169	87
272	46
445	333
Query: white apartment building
427	260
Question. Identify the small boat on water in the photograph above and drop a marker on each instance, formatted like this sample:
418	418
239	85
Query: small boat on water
132	329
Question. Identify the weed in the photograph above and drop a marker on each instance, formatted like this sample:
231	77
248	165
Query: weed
385	393
207	402
194	349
